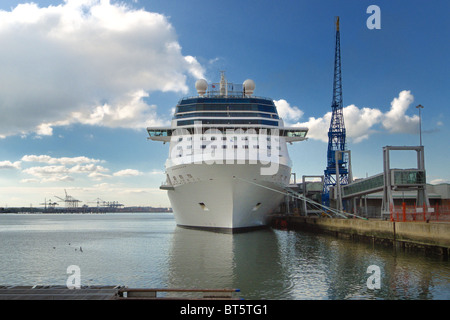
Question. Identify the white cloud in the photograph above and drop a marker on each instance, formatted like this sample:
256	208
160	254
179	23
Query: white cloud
361	123
286	112
194	67
49	173
439	181
132	112
44	129
10	165
98	176
64	173
317	127
90	61
127	173
66	169
62	160
87	168
395	121
62	169
46	170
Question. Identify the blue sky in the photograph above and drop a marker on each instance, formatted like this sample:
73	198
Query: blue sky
81	80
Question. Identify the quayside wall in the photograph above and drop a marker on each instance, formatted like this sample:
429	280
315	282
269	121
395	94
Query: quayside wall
430	236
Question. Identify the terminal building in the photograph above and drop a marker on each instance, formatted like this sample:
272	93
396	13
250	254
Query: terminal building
393	194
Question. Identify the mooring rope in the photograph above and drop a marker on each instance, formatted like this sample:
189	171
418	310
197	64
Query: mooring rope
297	195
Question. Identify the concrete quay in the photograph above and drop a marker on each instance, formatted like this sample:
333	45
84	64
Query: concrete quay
430	236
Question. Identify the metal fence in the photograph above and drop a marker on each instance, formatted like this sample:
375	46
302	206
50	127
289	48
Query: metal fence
422	213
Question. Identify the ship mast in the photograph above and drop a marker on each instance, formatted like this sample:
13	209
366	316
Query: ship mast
223	84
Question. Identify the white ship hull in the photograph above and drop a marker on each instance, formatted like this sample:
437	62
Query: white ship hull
225	197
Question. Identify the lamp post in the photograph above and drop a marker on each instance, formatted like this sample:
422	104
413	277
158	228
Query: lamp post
420	123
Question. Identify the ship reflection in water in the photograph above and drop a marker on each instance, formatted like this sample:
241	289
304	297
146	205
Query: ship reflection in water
273	264
247	261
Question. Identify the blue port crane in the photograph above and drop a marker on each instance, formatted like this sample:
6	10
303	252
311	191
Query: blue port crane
336	133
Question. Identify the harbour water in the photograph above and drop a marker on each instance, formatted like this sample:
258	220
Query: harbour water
148	250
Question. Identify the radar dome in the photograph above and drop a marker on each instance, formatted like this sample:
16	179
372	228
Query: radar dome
249	86
201	85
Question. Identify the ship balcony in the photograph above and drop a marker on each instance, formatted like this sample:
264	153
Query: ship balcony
166	185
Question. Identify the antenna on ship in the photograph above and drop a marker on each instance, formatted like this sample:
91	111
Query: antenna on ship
223	84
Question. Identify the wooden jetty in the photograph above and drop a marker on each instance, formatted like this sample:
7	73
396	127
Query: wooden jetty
112	293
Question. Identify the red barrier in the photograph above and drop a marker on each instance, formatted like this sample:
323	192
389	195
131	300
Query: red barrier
406	213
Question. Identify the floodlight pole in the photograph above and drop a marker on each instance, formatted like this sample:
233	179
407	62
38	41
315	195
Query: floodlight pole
420	122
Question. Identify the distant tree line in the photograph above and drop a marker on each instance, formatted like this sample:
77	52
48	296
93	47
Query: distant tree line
83	210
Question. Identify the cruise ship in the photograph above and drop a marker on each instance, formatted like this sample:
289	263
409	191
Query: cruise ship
228	164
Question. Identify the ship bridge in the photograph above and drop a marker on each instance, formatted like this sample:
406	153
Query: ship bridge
226	104
165	134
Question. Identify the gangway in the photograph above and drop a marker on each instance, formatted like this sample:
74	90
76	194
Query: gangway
390	180
312	189
363	186
399	178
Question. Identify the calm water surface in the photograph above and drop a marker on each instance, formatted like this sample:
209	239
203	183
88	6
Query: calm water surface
149	250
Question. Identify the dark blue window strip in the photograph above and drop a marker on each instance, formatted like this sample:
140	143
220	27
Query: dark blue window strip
225	100
225	107
226	114
228	121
